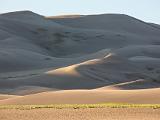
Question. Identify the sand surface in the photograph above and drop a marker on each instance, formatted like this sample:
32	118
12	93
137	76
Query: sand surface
78	59
6	96
82	114
150	96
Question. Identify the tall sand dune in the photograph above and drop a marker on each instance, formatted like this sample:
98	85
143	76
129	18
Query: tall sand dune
78	59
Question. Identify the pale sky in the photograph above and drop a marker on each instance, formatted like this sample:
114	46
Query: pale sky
147	10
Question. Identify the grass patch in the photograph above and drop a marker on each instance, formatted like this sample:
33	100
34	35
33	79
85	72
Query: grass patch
82	106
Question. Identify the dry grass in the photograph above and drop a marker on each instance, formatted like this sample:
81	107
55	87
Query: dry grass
78	106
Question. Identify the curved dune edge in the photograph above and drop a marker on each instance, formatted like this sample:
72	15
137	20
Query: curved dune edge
4	96
145	96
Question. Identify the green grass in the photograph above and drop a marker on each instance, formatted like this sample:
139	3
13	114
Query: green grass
82	106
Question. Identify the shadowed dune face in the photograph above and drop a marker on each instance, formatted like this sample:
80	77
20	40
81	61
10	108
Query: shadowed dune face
113	22
95	52
110	72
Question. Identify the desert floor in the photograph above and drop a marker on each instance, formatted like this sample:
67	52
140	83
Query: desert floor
82	114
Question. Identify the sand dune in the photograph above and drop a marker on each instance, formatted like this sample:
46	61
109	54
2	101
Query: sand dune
114	22
91	59
150	96
93	74
3	96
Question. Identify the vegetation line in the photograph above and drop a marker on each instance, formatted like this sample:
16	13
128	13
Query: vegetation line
78	106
